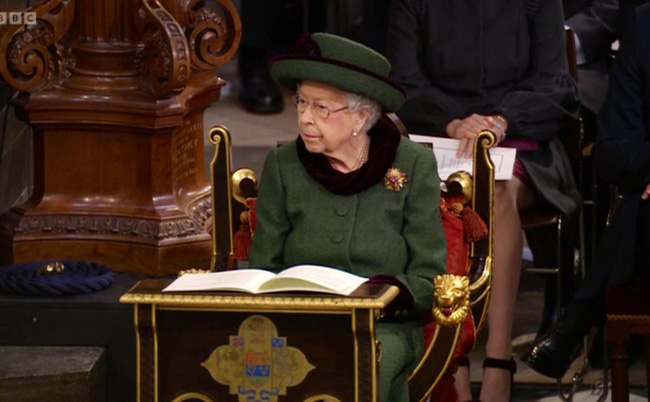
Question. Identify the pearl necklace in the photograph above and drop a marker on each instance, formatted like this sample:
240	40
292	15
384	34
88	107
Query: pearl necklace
363	155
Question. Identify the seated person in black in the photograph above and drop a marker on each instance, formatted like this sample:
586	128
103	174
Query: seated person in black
622	158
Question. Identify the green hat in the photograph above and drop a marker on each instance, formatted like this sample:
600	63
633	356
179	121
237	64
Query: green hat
341	63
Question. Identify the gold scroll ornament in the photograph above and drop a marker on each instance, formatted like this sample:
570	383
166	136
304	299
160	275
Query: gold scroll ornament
257	364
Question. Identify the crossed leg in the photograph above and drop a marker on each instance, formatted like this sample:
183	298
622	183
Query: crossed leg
510	197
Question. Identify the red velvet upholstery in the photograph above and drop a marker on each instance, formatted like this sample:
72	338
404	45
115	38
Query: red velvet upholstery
457	249
457	252
631	298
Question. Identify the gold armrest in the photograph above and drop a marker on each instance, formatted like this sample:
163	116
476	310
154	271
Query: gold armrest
229	193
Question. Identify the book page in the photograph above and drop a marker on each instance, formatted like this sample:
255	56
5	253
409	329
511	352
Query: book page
241	280
314	278
445	151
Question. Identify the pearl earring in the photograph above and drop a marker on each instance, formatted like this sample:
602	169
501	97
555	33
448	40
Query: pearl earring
354	133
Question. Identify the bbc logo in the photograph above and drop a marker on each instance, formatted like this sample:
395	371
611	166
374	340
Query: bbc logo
26	18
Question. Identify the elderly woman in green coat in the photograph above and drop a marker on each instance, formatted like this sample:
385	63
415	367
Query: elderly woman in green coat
352	193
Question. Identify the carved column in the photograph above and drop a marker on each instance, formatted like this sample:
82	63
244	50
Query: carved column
115	91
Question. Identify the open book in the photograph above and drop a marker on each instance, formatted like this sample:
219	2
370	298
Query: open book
445	151
307	278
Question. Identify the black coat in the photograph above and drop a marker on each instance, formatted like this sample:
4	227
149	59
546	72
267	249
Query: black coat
622	158
455	58
596	23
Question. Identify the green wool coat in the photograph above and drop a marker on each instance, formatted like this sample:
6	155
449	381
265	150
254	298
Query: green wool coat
372	232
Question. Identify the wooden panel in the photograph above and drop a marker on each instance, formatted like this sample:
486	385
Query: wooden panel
205	344
368	370
187	338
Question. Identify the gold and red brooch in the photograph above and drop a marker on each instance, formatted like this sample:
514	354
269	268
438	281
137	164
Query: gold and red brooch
394	179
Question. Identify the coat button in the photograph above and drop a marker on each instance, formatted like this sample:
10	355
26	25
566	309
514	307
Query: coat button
342	211
337	238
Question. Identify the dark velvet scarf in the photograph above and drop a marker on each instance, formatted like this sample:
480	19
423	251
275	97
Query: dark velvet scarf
384	141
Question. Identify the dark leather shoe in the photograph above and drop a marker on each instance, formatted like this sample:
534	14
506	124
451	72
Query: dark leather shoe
549	317
552	354
597	349
550	314
258	93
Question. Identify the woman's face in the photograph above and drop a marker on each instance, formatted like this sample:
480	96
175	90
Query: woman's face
331	135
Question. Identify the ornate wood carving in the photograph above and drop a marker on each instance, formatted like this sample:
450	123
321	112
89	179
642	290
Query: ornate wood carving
209	32
164	61
201	212
33	58
203	34
115	91
122	228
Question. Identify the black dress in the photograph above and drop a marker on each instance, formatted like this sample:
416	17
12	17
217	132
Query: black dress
458	57
622	157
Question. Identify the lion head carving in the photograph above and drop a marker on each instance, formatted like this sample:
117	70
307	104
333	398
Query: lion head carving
451	299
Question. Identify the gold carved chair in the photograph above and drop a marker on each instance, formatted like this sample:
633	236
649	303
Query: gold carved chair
232	193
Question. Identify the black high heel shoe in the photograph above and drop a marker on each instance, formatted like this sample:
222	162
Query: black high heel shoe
463	362
503	364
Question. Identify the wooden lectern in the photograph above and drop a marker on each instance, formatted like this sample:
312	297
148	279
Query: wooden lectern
208	346
115	91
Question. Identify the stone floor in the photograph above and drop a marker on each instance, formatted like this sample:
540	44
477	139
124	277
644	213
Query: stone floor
253	135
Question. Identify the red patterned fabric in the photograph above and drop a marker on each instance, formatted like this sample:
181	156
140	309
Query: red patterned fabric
457	247
251	203
243	237
241	247
457	251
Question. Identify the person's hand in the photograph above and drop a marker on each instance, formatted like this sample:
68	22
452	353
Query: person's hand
646	193
466	131
499	125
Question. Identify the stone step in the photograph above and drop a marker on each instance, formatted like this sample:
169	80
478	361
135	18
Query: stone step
52	374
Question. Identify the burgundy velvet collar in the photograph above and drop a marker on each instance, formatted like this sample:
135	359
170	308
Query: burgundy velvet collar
384	141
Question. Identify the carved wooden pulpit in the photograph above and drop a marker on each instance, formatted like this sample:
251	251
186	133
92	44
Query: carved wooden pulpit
115	91
207	346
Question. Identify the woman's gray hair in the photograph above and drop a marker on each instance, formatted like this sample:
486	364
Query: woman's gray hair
357	103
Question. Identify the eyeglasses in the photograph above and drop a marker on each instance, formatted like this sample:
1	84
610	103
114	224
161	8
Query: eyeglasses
320	110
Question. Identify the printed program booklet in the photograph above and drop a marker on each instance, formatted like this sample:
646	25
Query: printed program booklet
445	151
303	278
